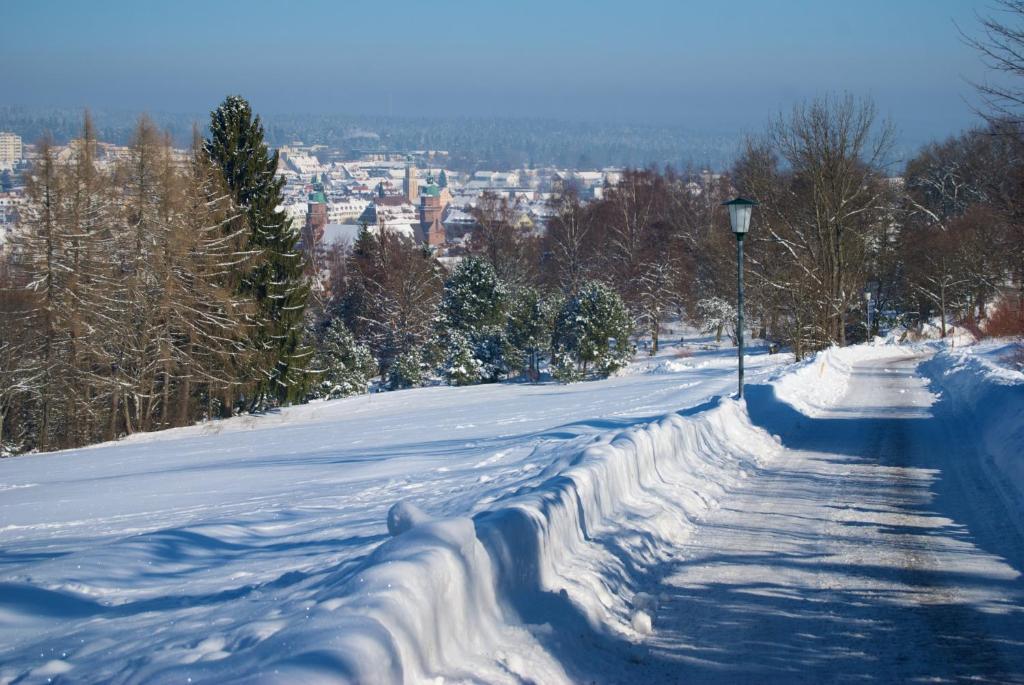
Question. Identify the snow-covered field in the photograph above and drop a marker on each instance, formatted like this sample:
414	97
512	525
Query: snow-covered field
637	529
182	548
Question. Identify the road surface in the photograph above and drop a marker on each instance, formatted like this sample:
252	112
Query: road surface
876	548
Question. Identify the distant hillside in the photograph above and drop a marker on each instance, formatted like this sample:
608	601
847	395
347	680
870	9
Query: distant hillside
472	142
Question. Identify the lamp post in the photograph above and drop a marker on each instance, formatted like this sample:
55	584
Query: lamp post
739	218
867	309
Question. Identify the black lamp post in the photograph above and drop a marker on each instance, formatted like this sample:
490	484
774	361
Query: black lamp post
867	310
739	217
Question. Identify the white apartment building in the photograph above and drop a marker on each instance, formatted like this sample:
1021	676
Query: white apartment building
345	211
11	151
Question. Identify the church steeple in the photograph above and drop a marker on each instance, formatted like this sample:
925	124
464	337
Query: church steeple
410	185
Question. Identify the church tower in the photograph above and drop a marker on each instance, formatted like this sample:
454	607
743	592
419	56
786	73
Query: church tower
411	185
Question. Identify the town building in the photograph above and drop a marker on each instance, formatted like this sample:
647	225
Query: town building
316	218
11	150
434	200
410	186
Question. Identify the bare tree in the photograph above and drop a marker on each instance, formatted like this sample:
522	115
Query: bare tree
569	246
1001	45
501	239
391	295
21	371
822	214
639	254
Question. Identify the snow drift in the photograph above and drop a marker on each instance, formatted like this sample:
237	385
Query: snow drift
480	598
993	397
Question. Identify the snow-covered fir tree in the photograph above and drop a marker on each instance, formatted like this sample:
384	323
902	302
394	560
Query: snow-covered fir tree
461	366
528	330
474	305
591	334
344	366
406	371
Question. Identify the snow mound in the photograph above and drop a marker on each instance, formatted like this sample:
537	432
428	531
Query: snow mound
641	623
403	516
645	602
448	597
956	336
994	396
676	366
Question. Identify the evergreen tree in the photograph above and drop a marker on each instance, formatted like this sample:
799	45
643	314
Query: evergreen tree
345	366
276	282
474	305
591	334
406	371
528	331
474	297
461	366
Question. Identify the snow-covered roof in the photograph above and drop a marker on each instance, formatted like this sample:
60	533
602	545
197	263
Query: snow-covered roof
340	234
458	216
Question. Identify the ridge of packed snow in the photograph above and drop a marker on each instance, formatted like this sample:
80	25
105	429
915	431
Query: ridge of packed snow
992	396
440	594
820	381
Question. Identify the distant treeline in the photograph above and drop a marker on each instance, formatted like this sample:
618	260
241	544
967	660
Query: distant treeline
473	143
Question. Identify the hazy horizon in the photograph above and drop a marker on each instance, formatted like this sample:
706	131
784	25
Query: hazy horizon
665	64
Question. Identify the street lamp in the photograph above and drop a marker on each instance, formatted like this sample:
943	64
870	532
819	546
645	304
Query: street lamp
867	309
739	217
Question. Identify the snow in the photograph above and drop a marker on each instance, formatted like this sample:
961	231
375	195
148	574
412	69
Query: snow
977	384
200	548
641	623
870	549
642	528
404	516
816	384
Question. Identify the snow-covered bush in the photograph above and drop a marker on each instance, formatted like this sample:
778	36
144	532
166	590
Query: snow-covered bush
591	334
715	314
406	371
345	367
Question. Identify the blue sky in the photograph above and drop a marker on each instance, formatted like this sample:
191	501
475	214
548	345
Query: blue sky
706	65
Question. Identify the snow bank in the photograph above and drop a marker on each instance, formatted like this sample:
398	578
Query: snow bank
993	396
476	598
679	365
819	382
956	336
